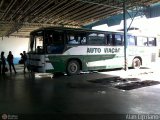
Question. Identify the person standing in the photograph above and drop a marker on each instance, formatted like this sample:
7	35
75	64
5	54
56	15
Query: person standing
10	62
25	60
3	59
21	60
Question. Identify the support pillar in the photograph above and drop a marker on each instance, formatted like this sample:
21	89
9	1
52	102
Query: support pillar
125	37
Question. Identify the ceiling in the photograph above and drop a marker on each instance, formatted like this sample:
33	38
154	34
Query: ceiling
20	17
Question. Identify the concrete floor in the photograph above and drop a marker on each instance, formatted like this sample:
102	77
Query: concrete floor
40	95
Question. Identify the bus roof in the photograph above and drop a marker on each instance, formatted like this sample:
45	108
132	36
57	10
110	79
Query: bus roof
87	30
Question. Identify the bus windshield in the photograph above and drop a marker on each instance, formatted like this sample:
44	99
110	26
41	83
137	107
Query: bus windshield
49	42
36	43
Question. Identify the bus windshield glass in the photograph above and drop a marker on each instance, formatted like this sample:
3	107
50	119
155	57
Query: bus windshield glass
36	43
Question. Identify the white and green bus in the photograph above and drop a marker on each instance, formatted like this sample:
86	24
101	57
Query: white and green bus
70	50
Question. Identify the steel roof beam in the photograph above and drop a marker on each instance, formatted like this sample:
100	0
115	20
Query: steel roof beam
77	13
96	3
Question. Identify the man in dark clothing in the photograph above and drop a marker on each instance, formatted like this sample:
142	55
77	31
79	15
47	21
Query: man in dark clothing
21	61
3	59
10	62
25	60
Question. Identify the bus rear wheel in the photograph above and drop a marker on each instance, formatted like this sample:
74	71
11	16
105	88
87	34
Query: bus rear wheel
136	63
73	67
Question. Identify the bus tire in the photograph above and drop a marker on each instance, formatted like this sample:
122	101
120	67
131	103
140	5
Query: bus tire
73	67
136	63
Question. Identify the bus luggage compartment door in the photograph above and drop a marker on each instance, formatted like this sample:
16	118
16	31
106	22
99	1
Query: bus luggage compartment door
37	63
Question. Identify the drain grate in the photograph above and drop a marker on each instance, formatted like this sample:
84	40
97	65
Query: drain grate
125	84
106	81
135	85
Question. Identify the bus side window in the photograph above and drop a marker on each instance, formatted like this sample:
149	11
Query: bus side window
145	41
92	38
101	38
96	39
73	40
142	41
131	40
118	39
151	41
139	41
49	38
83	40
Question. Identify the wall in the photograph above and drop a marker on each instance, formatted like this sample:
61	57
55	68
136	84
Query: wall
14	44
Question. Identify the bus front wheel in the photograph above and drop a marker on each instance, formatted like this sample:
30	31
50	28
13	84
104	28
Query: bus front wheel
136	63
73	67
